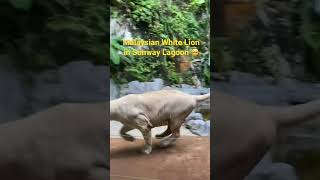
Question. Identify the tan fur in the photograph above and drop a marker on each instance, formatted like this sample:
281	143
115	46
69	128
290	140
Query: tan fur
153	109
244	131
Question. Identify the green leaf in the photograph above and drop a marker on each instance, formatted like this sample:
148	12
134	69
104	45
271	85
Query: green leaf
118	46
68	23
125	58
63	3
115	58
21	4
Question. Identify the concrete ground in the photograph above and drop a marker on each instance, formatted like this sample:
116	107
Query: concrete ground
116	126
188	159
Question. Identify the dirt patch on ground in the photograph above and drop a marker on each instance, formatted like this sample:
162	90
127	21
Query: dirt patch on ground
189	159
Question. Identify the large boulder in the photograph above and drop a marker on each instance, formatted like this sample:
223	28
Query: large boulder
12	92
197	124
136	87
46	90
266	169
78	81
114	90
195	116
199	127
81	81
274	171
263	91
301	92
120	28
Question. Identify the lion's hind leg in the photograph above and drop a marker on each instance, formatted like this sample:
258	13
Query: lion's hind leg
166	133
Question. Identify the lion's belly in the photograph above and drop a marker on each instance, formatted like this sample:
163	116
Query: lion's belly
161	123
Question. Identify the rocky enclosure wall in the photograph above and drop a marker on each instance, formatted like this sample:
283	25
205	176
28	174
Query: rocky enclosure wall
80	81
25	93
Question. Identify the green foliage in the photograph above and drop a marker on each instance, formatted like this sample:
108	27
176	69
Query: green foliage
306	162
140	71
116	52
169	73
114	56
21	4
143	11
147	68
222	59
170	19
205	67
311	27
198	6
311	34
42	33
197	3
247	51
87	24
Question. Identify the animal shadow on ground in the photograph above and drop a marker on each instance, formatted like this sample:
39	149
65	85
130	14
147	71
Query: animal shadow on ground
133	149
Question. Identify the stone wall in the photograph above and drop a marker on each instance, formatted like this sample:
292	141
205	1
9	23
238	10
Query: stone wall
25	93
295	145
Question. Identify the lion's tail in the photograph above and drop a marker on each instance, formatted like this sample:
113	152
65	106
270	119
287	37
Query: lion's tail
201	98
295	114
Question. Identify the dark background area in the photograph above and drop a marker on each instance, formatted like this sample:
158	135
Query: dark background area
43	34
51	52
267	52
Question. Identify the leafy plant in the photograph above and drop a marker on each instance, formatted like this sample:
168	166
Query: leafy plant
21	4
311	34
42	32
311	27
169	72
143	11
197	3
205	67
139	70
87	22
147	68
116	52
166	19
222	58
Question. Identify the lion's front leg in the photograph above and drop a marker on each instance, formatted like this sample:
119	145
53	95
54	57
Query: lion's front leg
148	141
124	135
143	123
